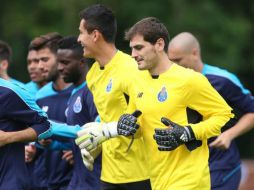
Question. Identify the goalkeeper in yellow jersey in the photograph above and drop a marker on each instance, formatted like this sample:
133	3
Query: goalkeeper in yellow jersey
176	150
108	80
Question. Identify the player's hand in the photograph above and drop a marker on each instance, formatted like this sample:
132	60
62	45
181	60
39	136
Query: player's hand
91	135
30	151
170	138
222	142
68	156
126	125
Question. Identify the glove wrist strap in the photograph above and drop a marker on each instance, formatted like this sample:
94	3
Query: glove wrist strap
190	133
110	129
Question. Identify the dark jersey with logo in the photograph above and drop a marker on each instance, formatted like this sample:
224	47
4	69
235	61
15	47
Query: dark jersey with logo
82	110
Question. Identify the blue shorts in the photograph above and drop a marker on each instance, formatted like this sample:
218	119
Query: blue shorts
226	179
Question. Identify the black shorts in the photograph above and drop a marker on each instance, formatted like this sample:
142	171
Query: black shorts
144	185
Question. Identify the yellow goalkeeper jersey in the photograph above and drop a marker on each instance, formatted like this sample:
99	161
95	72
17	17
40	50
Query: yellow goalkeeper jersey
110	87
169	95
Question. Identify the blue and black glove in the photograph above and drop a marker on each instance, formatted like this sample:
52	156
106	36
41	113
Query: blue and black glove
127	124
170	138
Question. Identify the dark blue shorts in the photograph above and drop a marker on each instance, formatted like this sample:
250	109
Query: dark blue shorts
226	179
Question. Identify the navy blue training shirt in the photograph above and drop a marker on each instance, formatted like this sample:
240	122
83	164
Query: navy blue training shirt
18	110
242	102
50	169
82	110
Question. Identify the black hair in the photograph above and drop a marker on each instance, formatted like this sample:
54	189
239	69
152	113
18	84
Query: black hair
5	51
101	18
151	29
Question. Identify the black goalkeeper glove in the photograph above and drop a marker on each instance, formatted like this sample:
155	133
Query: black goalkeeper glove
169	139
127	124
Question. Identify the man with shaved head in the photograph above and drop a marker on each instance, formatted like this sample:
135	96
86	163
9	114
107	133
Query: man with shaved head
224	159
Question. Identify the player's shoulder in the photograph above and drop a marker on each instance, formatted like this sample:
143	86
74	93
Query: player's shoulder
30	84
45	91
186	74
8	87
218	72
222	76
13	90
124	62
19	83
82	89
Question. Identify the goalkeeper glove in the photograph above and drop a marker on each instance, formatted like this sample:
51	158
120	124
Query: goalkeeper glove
170	138
88	159
93	134
126	125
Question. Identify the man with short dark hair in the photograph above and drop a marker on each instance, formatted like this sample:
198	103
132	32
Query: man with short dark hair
175	90
52	98
35	73
5	60
108	80
73	68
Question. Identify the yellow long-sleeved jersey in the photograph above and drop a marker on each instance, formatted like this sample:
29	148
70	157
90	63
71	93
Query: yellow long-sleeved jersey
169	96
110	87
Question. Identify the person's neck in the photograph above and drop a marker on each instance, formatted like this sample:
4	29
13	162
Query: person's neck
199	66
163	64
59	84
105	54
80	81
41	84
5	76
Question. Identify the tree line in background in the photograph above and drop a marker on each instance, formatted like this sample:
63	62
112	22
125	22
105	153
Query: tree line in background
224	28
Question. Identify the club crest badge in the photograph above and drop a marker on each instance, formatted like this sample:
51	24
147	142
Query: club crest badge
45	108
77	107
109	86
163	95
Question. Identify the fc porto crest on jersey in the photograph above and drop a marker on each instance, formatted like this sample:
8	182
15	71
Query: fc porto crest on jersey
109	86
163	95
77	107
45	108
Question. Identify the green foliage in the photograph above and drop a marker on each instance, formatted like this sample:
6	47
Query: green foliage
225	28
224	33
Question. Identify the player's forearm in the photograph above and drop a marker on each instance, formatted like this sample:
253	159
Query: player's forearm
212	126
62	129
26	135
245	124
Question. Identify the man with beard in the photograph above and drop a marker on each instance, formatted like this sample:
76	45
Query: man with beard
73	67
37	80
50	169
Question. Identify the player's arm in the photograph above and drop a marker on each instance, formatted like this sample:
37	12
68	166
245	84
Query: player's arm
21	108
25	135
241	99
64	130
209	103
245	124
200	96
